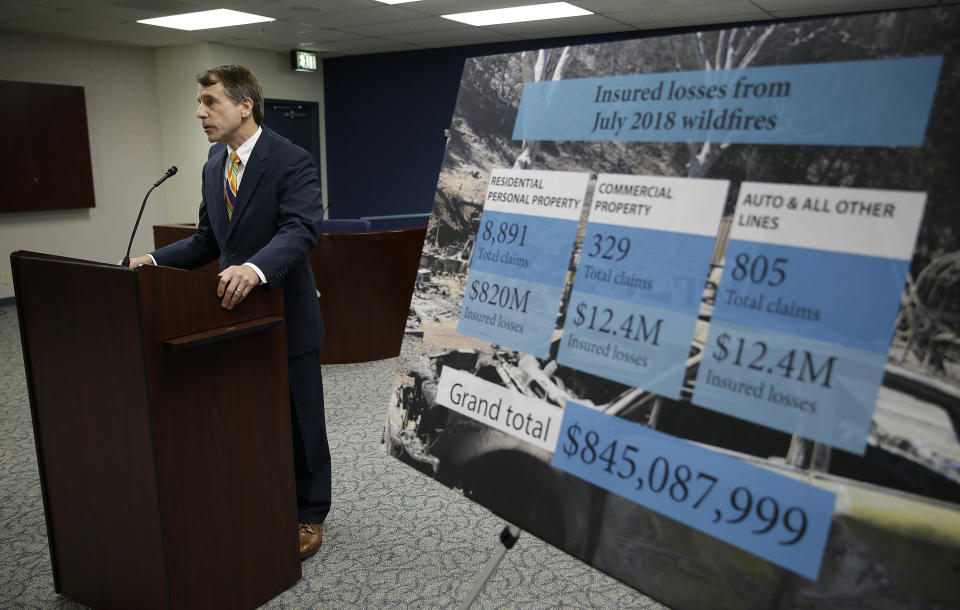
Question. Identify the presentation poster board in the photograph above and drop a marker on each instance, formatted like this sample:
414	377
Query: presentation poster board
689	310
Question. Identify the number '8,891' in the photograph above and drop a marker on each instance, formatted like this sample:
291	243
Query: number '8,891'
504	233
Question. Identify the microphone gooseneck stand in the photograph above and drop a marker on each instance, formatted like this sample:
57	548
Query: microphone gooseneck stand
166	174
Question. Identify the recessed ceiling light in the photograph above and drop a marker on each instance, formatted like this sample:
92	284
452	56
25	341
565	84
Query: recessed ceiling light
396	1
516	14
205	20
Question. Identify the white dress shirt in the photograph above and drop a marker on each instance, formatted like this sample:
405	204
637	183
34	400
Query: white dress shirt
243	151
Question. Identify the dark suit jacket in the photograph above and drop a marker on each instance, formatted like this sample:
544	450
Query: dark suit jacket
275	224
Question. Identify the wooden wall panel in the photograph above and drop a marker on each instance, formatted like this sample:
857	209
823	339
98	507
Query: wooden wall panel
46	163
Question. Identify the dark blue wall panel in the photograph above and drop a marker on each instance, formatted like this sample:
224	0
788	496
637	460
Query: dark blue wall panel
385	117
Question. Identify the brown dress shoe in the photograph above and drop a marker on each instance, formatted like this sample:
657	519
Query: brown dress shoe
311	536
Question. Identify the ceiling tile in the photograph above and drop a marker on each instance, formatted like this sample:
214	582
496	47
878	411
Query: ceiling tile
489	39
67	4
606	6
59	21
169	38
117	32
570	26
269	28
709	20
225	36
278	12
775	6
825	7
251	43
686	13
11	10
369	45
381	14
119	12
448	38
167	7
407	26
192	6
645	4
313	37
446	7
329	6
296	9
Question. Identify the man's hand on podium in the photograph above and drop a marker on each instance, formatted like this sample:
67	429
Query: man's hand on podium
236	282
140	260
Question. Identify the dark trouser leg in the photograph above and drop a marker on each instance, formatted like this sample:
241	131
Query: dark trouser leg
310	449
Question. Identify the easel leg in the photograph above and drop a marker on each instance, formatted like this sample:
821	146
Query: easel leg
508	537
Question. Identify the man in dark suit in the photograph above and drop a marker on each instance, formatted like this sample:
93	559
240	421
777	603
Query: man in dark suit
260	217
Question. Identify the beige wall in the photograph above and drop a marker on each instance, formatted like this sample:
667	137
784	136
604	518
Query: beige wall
120	91
183	142
141	106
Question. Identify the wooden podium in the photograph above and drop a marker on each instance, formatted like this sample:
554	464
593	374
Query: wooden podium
365	281
162	426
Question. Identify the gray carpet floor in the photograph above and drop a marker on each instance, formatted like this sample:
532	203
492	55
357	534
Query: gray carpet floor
393	539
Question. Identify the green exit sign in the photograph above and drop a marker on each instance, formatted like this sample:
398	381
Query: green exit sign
303	61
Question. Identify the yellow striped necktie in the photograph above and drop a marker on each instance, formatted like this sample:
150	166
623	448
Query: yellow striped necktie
232	183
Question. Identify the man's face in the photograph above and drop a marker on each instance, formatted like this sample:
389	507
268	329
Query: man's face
221	118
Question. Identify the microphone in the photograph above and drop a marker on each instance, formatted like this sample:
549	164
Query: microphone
166	174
